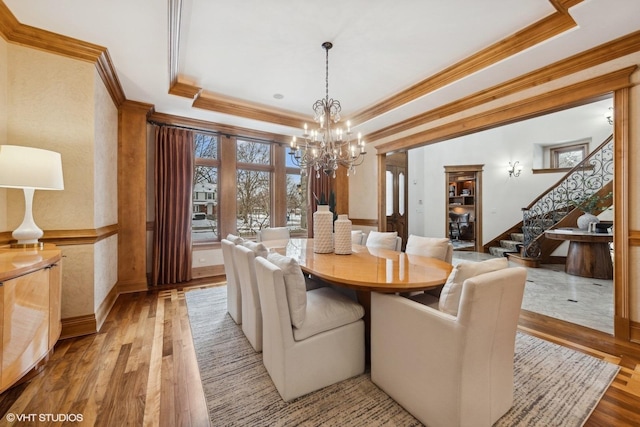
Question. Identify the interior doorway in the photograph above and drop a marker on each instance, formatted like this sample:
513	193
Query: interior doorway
396	195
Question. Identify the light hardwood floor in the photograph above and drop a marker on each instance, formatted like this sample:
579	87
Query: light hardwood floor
140	370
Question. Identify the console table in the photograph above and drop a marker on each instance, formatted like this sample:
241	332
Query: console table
30	290
589	254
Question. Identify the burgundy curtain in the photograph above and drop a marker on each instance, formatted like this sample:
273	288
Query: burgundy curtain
173	188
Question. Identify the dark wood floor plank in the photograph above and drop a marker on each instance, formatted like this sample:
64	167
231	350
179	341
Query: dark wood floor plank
141	368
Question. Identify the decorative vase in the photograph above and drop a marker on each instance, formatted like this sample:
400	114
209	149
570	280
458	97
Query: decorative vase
342	236
585	219
323	230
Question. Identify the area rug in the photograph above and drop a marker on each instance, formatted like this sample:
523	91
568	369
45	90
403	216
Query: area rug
554	385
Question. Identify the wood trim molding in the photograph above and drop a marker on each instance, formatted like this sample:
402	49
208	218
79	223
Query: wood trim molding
69	237
621	194
599	55
186	90
634	328
634	238
15	32
564	97
540	31
363	222
78	326
168	119
105	307
79	237
249	110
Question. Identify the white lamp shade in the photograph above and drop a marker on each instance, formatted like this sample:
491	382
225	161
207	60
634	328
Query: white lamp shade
28	167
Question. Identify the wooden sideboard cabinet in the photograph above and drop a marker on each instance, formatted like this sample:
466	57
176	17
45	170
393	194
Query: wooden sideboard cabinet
30	291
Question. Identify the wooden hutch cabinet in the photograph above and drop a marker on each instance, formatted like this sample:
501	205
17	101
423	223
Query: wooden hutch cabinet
30	291
464	206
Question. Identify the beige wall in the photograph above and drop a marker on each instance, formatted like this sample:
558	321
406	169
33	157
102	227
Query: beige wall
61	104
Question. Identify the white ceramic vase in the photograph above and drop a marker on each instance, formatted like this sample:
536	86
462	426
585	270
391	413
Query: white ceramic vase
323	230
342	236
585	219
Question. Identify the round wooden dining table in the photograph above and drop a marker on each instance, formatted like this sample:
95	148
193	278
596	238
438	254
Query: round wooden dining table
366	270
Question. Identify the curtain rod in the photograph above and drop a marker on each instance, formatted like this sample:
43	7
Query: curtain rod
214	132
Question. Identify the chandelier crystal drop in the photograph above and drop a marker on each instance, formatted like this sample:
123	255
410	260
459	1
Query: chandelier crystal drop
329	146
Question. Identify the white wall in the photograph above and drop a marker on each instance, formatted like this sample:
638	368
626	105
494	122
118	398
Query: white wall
502	197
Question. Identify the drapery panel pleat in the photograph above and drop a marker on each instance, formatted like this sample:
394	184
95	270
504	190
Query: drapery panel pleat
174	166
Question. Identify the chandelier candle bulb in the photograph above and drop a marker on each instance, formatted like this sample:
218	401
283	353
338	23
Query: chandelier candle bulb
327	147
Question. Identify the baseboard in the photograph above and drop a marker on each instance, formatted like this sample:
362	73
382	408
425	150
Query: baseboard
527	262
208	271
634	328
78	326
129	287
105	307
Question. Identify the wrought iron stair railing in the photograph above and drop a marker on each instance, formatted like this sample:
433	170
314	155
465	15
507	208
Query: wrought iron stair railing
584	180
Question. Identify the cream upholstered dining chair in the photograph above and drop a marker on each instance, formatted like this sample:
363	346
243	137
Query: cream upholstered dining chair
445	369
273	233
234	295
310	339
357	237
245	255
385	240
433	247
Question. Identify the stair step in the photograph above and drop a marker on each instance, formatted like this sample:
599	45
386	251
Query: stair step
511	245
518	237
499	251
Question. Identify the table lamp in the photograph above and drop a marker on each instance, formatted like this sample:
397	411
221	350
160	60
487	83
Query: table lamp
30	169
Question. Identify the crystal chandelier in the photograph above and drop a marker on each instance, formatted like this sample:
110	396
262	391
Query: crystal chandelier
328	146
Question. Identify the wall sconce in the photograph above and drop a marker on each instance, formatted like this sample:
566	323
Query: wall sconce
514	169
609	115
29	169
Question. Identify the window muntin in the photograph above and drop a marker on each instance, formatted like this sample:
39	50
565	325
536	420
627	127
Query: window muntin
296	204
204	218
222	161
568	156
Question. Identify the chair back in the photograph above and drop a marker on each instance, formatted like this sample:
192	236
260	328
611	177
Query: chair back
276	320
234	296
433	247
385	240
273	233
251	311
488	313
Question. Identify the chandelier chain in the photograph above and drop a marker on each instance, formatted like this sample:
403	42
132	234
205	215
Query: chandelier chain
327	147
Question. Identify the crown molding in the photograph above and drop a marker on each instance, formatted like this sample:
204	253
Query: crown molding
540	31
572	95
598	55
15	32
248	110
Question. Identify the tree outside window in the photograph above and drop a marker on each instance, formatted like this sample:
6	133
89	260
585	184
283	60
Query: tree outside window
253	187
204	220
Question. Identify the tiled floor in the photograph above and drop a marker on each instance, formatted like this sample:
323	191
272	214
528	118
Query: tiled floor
550	291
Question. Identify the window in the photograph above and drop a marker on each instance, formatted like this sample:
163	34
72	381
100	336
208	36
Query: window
204	219
253	187
568	156
268	190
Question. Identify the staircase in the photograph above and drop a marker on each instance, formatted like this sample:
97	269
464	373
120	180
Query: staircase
555	208
508	246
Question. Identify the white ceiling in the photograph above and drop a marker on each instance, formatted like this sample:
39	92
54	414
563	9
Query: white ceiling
253	49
